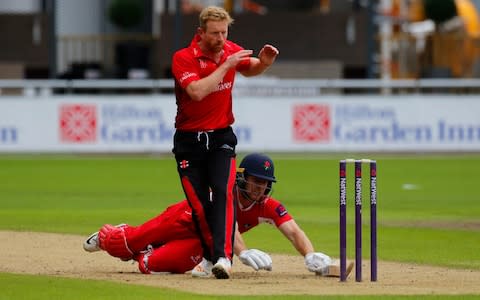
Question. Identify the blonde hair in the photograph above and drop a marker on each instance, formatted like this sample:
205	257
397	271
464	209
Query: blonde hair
213	13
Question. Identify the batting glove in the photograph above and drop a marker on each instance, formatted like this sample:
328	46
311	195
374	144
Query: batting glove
256	259
317	262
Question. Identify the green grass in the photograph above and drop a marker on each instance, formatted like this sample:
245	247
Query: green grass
44	287
51	288
423	200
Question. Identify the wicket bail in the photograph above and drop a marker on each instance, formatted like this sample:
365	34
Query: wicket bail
358	218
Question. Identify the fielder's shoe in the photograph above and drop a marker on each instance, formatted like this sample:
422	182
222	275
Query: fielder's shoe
222	268
203	269
91	244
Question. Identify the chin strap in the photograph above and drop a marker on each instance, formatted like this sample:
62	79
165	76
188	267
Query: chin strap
244	194
247	196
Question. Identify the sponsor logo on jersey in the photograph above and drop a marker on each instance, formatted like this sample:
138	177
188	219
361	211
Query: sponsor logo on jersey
223	86
186	75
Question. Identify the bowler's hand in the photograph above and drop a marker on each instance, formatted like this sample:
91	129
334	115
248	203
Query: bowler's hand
233	60
268	54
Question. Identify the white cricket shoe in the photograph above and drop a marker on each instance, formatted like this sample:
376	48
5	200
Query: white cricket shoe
222	268
203	269
91	244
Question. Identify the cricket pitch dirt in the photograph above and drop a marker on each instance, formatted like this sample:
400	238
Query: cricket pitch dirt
62	255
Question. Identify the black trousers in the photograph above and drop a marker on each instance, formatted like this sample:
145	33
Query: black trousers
207	168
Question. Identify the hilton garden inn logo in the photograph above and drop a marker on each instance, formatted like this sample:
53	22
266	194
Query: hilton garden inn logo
311	123
78	123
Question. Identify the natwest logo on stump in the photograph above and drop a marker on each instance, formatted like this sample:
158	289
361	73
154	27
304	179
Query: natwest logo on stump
78	123
311	123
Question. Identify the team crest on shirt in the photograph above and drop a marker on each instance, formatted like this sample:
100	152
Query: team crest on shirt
183	164
280	210
203	64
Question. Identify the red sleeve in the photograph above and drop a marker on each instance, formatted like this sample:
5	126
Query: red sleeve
184	68
275	211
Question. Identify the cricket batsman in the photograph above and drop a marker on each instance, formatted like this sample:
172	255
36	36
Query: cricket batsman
169	242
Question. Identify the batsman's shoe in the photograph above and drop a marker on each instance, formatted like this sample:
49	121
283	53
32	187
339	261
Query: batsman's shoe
222	268
91	244
203	269
142	260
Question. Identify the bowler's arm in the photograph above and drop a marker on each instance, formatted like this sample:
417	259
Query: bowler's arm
199	89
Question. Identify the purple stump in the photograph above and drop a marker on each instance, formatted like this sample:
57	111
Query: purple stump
358	220
343	220
373	221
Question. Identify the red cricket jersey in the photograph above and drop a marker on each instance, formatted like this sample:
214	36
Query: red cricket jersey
269	211
215	110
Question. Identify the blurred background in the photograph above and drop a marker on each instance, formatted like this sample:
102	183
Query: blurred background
121	39
352	75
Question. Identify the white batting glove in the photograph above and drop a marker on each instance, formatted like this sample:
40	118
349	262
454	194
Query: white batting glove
256	259
317	262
